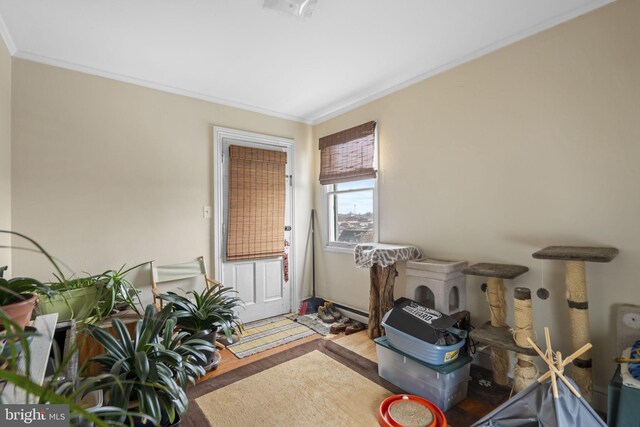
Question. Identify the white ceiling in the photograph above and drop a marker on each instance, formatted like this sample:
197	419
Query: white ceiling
236	53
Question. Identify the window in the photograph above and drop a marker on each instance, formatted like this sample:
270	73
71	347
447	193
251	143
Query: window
351	215
348	171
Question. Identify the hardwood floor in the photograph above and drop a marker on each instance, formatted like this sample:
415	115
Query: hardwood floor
359	343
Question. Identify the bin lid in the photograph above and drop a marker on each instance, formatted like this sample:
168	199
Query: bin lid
417	320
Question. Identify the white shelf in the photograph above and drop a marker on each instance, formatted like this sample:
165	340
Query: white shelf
40	348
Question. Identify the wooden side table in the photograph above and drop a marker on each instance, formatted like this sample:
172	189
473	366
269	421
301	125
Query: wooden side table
381	260
575	279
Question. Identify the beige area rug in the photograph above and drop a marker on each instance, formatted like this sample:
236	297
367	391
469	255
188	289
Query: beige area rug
318	383
314	384
311	390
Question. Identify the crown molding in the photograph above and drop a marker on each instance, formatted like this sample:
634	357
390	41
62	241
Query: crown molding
335	111
6	36
20	54
323	114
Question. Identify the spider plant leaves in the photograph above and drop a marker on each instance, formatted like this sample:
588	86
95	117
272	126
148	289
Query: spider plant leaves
142	365
123	334
13	290
156	363
108	341
211	309
40	249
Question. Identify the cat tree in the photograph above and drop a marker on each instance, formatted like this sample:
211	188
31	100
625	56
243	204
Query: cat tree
575	279
496	333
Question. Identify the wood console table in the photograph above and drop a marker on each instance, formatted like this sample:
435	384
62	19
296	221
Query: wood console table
89	347
381	260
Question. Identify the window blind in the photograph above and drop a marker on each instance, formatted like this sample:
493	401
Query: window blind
348	155
256	200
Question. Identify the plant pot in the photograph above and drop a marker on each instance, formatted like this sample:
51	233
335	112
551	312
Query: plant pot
164	422
20	312
71	304
176	422
91	400
213	357
222	339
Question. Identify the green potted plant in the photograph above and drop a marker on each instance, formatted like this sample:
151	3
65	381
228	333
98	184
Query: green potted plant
18	298
211	310
152	367
192	347
15	344
122	292
76	298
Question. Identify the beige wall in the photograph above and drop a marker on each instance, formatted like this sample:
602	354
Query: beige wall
533	145
5	151
107	173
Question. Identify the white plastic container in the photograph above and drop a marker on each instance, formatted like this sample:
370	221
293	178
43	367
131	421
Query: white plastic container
445	386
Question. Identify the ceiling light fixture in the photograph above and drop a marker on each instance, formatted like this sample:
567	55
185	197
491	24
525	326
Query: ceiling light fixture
298	8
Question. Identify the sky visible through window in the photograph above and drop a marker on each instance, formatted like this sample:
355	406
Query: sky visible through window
356	202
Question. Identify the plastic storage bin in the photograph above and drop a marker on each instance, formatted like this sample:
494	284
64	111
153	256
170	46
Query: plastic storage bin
417	345
444	385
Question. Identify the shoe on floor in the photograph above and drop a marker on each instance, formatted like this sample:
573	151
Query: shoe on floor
332	310
325	316
355	327
337	328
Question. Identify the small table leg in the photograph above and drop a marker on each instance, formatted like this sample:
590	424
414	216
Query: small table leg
380	296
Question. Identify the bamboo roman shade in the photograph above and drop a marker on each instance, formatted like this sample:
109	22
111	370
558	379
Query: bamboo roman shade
348	155
256	203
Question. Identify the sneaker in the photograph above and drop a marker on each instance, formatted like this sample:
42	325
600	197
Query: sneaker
325	316
332	310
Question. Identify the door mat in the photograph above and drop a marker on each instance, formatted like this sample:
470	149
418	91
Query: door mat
312	321
268	333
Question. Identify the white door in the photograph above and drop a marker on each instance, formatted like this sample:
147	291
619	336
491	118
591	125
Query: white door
265	285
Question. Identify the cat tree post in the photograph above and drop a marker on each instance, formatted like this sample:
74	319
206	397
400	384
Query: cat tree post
576	283
380	296
496	334
525	371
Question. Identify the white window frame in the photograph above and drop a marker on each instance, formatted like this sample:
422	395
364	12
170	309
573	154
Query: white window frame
328	217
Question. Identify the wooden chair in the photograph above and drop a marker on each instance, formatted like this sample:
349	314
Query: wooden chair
178	272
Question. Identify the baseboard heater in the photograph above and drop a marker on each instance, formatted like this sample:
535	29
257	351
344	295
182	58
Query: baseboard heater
353	313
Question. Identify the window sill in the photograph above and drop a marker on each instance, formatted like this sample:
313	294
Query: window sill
339	249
